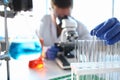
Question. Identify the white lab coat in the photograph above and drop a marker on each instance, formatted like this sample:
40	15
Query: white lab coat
47	31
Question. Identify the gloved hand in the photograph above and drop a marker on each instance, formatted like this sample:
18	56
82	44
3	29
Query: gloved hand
108	31
51	53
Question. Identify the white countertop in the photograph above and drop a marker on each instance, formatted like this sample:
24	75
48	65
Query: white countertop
19	70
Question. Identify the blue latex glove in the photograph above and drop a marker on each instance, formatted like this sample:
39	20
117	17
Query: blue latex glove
51	53
108	31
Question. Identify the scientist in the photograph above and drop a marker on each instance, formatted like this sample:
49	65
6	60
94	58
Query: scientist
50	31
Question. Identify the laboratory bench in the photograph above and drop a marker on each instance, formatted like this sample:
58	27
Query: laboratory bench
19	70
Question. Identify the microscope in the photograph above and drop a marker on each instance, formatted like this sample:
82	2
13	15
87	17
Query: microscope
67	42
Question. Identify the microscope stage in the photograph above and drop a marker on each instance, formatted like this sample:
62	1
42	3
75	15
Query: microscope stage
64	62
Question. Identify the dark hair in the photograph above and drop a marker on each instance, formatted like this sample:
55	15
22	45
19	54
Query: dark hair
62	3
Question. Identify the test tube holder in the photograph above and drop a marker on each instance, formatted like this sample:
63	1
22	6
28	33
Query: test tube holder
86	68
5	56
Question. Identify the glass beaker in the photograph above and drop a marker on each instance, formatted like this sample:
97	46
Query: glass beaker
25	48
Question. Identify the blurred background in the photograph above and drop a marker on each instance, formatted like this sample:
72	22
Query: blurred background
89	12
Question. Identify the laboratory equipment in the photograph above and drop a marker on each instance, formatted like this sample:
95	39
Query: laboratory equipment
15	6
67	42
18	5
95	71
96	60
5	55
25	48
38	64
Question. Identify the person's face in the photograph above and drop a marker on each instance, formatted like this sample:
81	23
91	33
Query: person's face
61	12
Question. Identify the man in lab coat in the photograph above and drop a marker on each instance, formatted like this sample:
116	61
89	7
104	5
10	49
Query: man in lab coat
50	31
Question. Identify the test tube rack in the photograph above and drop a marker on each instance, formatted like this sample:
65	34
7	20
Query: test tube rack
96	68
96	61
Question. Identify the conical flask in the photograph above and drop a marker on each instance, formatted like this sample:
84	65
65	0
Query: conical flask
25	48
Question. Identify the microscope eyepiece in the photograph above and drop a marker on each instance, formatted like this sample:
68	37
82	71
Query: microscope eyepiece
59	20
